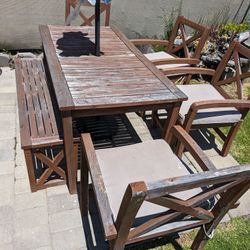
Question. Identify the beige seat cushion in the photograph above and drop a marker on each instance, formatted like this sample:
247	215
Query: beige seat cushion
164	55
205	92
148	161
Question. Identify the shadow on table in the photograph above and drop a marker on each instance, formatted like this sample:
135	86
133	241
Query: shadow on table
75	44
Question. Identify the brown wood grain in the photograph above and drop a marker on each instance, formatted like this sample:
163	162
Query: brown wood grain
116	67
38	125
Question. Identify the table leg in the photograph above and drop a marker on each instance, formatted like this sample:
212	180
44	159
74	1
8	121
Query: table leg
69	151
171	121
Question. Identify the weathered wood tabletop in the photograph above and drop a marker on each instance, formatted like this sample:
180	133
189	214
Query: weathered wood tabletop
119	81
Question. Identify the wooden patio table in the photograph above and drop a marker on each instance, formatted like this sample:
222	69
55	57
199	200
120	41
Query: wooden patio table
120	80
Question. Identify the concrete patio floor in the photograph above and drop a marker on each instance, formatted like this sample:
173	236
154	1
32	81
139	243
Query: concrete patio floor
51	219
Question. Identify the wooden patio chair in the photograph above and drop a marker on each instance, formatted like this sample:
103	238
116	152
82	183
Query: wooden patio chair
190	54
144	191
213	105
88	20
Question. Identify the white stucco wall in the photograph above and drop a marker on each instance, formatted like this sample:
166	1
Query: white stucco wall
19	19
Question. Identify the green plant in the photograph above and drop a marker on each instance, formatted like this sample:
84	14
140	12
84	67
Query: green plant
169	19
233	29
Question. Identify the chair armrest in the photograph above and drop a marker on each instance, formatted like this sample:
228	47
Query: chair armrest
188	70
175	60
201	158
99	188
149	42
212	177
239	104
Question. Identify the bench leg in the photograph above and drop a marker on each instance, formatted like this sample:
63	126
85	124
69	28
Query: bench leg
30	168
69	151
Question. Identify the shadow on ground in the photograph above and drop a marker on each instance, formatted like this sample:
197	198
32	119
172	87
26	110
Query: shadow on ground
204	138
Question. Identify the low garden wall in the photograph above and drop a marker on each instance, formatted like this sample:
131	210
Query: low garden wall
19	20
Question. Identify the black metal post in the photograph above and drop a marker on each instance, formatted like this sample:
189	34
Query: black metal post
97	28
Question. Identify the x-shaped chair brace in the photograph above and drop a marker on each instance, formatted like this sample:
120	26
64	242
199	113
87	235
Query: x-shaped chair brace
181	208
88	20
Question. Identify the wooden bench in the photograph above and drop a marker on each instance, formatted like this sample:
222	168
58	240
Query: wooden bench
39	126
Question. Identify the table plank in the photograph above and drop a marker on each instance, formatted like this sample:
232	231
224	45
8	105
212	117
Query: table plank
150	66
120	76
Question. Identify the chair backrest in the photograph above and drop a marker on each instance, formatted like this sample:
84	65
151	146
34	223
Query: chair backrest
199	36
228	185
88	20
233	53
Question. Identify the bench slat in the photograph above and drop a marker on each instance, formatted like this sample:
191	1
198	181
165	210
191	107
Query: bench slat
34	109
39	78
22	105
44	95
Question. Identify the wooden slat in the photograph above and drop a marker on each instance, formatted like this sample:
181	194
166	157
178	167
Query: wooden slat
22	105
183	207
124	101
179	95
29	99
197	180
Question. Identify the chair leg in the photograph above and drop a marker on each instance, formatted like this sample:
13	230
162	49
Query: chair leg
187	79
67	9
154	117
84	186
200	240
229	139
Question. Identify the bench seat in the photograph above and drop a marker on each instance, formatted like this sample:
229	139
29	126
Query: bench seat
39	125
